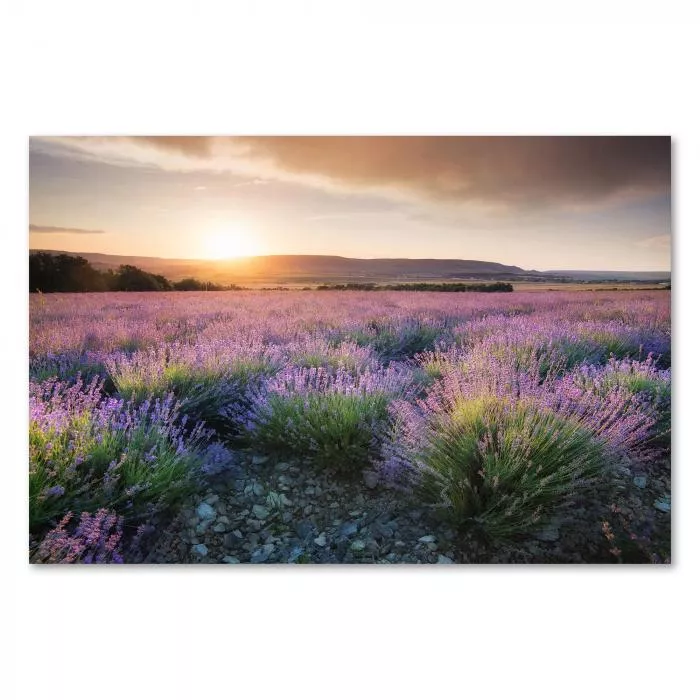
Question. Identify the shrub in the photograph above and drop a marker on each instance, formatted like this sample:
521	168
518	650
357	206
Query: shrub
87	452
501	468
314	352
95	540
332	417
66	366
203	381
335	429
639	381
400	340
496	449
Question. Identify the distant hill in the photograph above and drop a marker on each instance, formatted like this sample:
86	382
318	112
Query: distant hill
299	269
332	269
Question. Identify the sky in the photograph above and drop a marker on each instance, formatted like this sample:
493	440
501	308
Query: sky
544	203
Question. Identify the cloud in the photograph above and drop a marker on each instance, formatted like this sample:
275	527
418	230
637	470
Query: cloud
501	171
492	172
33	228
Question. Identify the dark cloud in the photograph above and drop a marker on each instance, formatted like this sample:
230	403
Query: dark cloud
492	170
501	171
33	228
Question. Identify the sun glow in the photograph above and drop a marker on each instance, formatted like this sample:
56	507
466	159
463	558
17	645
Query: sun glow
232	243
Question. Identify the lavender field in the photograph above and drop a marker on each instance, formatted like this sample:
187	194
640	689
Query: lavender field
350	427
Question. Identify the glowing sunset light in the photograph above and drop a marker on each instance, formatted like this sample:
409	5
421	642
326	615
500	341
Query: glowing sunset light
234	242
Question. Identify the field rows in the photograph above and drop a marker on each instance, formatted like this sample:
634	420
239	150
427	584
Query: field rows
494	417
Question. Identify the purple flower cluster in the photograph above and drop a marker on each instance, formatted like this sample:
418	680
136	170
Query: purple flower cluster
95	540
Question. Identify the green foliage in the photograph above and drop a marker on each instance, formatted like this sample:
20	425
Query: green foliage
64	273
609	343
336	430
502	469
397	343
132	279
202	390
72	273
190	284
656	390
134	472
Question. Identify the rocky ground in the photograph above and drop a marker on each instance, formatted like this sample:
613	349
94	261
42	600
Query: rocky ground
264	510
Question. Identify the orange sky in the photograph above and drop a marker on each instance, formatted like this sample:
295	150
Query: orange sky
539	202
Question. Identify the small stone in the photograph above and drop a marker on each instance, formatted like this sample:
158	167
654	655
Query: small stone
261	555
205	511
200	550
282	466
220	527
258	557
230	540
294	554
223	519
203	526
321	540
357	546
348	529
426	539
231	560
304	529
371	480
260	459
663	504
260	512
258	489
442	559
640	481
383	531
211	500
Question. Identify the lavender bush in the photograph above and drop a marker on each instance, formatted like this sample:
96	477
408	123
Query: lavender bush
88	452
96	539
497	449
334	417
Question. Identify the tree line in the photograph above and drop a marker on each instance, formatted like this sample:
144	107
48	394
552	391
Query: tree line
73	273
422	287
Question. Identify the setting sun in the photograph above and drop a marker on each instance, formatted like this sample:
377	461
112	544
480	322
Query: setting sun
231	243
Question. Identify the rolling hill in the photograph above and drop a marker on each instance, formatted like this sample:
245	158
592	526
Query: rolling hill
324	269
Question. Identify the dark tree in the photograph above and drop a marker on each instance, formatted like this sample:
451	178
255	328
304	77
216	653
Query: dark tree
63	273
